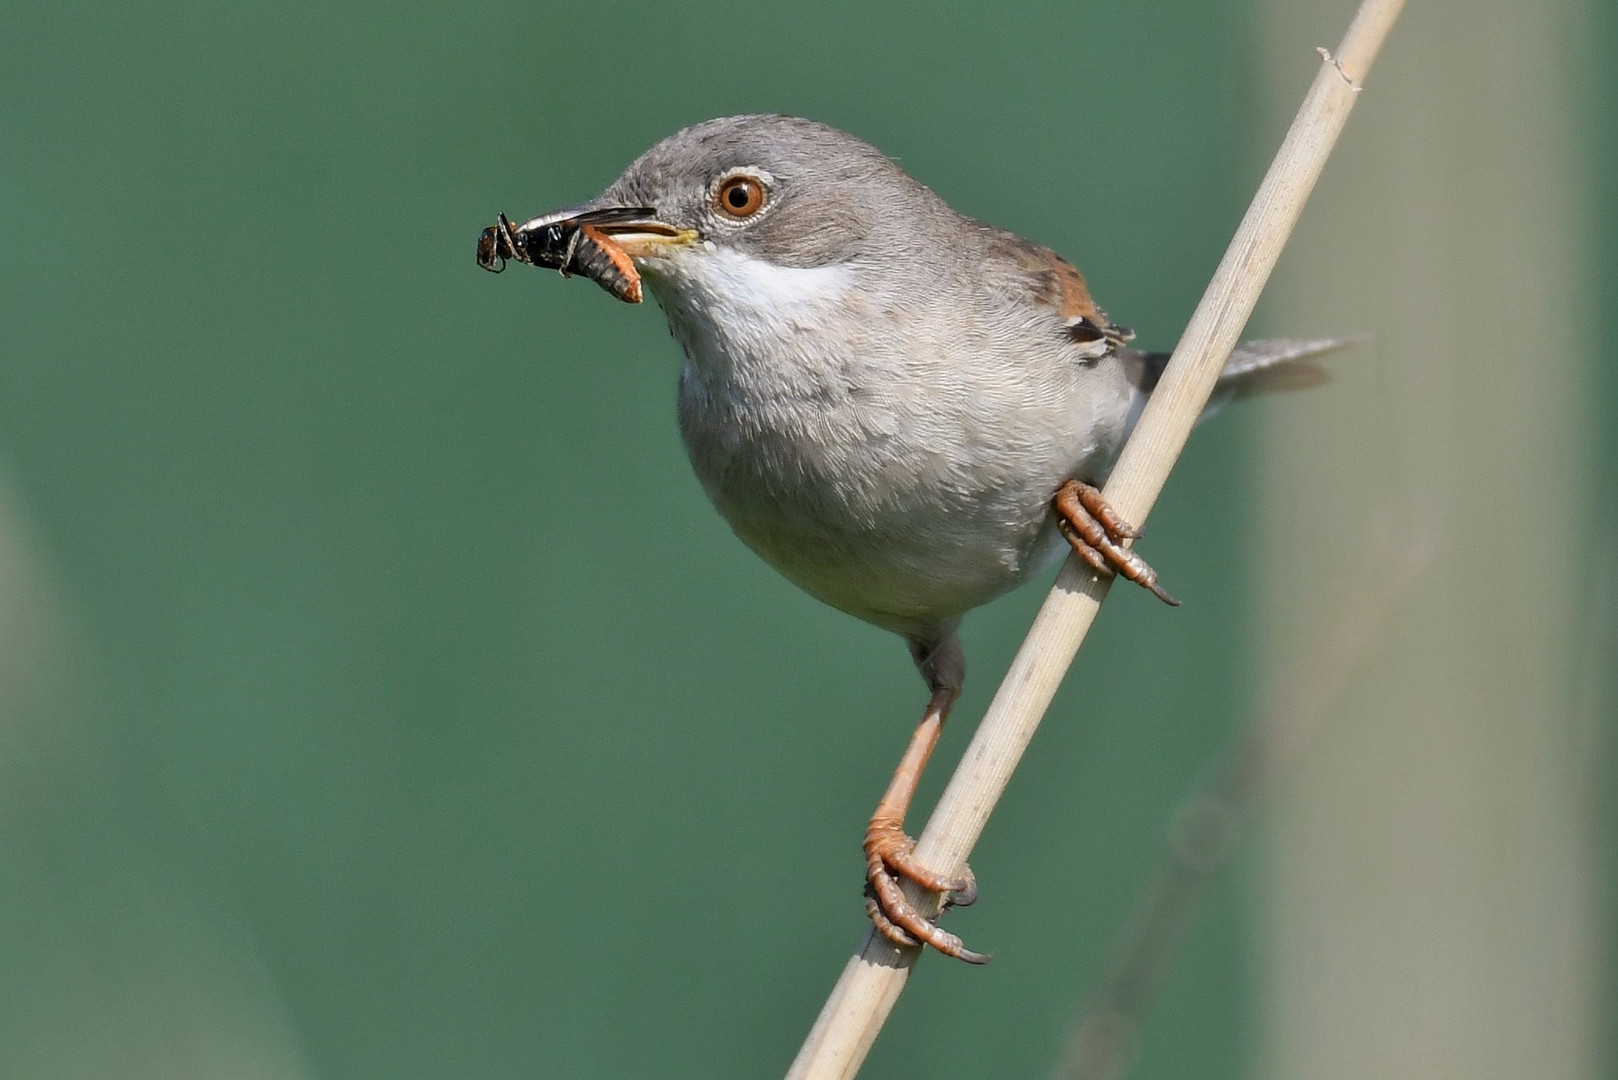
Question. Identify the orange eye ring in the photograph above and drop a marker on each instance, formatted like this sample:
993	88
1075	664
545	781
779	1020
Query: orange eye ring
740	197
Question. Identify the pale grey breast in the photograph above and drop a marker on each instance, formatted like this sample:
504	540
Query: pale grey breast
889	453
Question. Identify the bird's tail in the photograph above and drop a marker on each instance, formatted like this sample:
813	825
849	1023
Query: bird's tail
1254	367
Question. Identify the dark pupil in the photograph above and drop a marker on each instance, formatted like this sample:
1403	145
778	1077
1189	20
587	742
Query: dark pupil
737	196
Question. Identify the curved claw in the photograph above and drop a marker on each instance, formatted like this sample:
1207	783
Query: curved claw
964	897
1157	591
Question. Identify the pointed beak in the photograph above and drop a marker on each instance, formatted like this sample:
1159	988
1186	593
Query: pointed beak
638	230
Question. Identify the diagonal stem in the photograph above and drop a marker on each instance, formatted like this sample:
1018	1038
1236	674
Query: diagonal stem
875	976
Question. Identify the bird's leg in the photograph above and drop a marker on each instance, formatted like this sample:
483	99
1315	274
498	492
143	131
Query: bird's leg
1097	533
890	853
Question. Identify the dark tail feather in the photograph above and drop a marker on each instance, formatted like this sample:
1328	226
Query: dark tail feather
1254	367
1258	367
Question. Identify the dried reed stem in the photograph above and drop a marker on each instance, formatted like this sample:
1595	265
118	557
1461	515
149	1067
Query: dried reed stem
876	974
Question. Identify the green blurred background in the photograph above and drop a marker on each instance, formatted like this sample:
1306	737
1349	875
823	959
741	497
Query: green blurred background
379	696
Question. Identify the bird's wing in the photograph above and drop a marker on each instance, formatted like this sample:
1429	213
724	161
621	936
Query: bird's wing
1057	283
1086	323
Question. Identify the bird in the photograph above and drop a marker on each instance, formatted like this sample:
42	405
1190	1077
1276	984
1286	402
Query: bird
905	411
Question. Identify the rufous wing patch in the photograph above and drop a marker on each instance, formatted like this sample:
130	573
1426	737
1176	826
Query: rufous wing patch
1073	300
1086	323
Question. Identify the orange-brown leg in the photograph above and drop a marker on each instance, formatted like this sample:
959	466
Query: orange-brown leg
1097	533
890	854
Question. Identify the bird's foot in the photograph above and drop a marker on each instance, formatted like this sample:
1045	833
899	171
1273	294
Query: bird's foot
889	857
1098	534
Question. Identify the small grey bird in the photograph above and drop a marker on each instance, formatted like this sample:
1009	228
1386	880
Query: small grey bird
905	411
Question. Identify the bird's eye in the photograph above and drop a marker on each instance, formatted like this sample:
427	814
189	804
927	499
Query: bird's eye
740	197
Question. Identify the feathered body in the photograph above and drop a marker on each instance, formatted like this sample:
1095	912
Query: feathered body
879	394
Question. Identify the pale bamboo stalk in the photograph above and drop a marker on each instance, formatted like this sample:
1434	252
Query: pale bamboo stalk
876	974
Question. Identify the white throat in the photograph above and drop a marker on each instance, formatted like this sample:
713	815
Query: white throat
725	306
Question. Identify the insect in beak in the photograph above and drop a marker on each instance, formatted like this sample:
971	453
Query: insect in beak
578	240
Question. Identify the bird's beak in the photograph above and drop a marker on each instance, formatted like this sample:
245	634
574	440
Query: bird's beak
639	231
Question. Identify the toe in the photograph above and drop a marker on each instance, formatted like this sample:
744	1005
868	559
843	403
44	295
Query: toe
904	864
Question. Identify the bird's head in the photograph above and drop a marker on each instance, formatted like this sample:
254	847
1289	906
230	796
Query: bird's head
758	212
